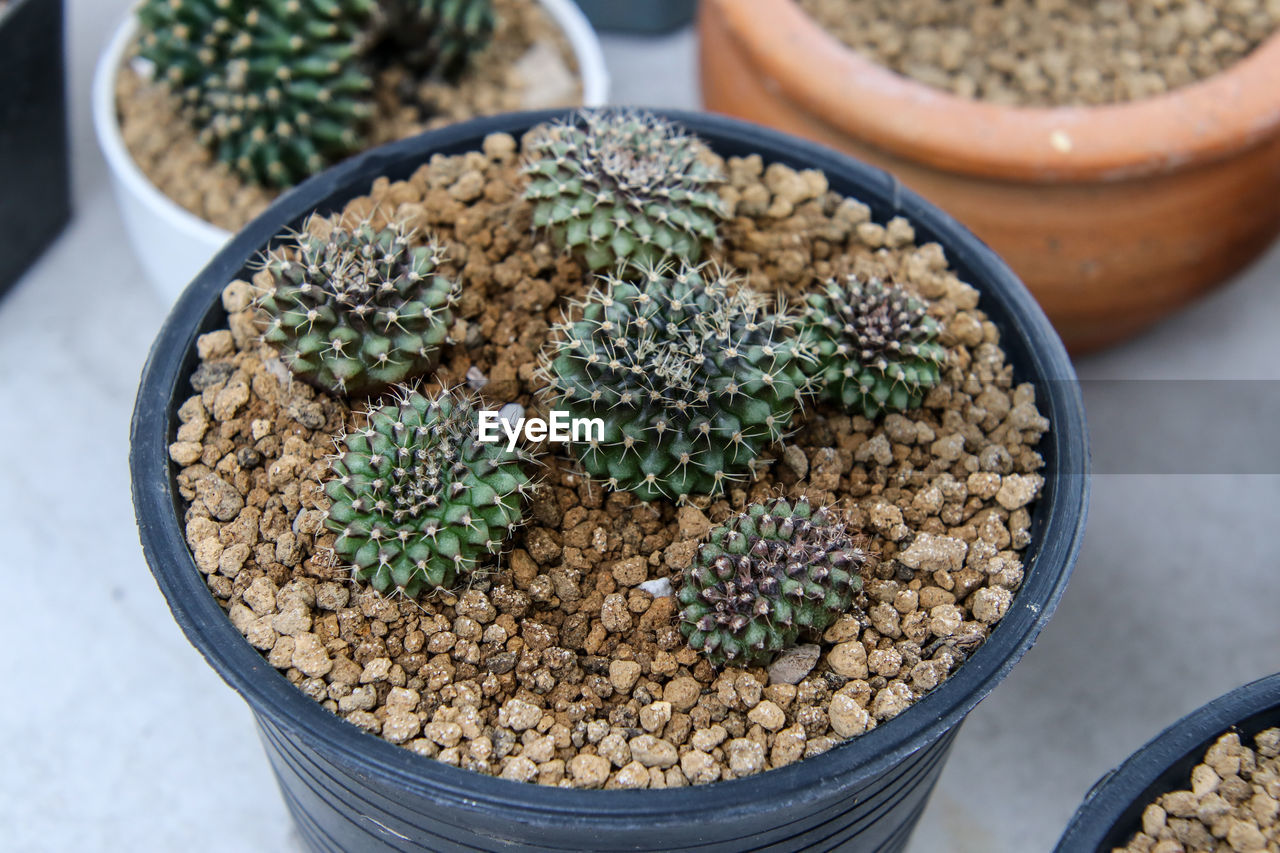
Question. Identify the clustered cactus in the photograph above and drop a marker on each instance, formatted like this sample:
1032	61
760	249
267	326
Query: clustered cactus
875	345
766	577
690	372
623	187
417	500
358	310
279	89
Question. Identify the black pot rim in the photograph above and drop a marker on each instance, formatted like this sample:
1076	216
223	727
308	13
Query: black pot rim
1113	806
1063	506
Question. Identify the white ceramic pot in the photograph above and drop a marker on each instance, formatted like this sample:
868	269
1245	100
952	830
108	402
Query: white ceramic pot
174	244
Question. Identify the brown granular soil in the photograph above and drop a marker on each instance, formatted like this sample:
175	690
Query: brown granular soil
1232	804
555	665
529	64
1051	52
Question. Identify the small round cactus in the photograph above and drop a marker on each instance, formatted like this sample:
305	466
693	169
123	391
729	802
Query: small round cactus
275	89
623	187
417	501
358	310
690	372
766	577
875	345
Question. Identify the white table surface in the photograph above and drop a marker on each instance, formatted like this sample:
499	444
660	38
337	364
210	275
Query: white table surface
121	737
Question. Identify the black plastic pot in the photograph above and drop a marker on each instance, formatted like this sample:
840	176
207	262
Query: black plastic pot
638	16
35	184
350	790
1112	810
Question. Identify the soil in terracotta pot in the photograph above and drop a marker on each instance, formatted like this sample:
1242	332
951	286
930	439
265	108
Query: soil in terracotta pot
529	64
563	663
1232	804
1051	52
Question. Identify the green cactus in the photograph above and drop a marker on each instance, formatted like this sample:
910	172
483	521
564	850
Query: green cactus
437	38
623	187
766	577
276	89
417	501
691	374
875	346
359	310
280	89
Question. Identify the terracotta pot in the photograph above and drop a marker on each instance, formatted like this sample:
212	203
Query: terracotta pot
1113	216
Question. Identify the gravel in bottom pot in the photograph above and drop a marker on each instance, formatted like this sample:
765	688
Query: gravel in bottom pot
349	789
1209	782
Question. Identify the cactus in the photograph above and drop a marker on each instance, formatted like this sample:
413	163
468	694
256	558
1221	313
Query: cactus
766	577
691	374
280	89
436	38
417	501
275	89
359	310
623	186
875	346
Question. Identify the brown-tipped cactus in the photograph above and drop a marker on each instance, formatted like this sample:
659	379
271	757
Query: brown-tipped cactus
358	310
690	373
623	188
767	577
417	500
875	346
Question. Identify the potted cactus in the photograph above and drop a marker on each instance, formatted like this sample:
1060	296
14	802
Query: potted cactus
207	110
34	168
758	566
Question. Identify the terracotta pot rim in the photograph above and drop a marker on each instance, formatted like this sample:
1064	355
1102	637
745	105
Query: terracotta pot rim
1204	121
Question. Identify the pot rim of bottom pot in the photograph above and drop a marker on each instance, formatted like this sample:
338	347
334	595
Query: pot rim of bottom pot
1057	522
1112	810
